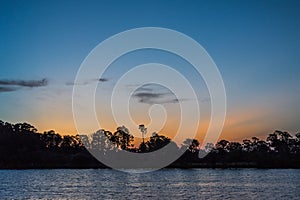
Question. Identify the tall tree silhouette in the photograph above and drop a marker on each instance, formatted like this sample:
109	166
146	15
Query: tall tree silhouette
122	138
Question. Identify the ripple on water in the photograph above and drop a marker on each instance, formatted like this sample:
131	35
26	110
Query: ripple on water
162	184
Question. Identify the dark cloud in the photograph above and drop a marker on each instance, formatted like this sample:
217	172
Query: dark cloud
145	89
149	98
13	85
148	95
87	82
154	94
25	83
7	89
175	100
156	98
103	79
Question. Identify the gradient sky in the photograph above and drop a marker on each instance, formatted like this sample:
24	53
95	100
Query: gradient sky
255	44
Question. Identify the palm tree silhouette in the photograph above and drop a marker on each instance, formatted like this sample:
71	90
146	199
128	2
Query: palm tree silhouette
143	130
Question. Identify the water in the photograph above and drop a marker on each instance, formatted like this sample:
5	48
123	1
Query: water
163	184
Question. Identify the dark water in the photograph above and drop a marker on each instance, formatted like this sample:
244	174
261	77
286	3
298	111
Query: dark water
163	184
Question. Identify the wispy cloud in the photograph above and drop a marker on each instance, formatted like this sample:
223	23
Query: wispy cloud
87	82
156	98
25	83
155	94
103	79
73	83
13	85
147	87
147	97
7	89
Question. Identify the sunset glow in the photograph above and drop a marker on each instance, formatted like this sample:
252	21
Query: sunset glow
257	54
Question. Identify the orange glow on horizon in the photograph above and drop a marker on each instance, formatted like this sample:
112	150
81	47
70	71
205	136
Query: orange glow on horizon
239	124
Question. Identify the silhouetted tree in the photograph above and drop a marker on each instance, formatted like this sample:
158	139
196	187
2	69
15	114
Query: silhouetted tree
21	146
221	146
279	141
192	145
156	142
51	139
143	130
122	138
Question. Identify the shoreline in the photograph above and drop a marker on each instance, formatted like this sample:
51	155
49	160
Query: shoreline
173	166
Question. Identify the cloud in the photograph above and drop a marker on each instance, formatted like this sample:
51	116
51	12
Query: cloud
103	79
72	83
154	94
87	82
146	88
7	89
149	97
25	83
146	97
156	98
13	85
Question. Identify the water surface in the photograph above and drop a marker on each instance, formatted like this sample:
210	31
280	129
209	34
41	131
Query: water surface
162	184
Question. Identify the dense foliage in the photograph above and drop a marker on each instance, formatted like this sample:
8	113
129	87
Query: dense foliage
21	146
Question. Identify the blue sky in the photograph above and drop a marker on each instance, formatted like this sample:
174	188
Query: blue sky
255	44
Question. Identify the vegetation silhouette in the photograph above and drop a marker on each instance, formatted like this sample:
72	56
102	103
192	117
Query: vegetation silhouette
23	147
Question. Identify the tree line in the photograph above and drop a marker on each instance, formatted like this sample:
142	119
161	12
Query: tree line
22	146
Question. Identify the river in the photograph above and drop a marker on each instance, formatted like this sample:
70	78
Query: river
162	184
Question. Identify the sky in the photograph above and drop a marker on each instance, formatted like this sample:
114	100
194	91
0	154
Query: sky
255	45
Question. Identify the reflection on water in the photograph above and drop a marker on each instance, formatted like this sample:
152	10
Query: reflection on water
168	183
